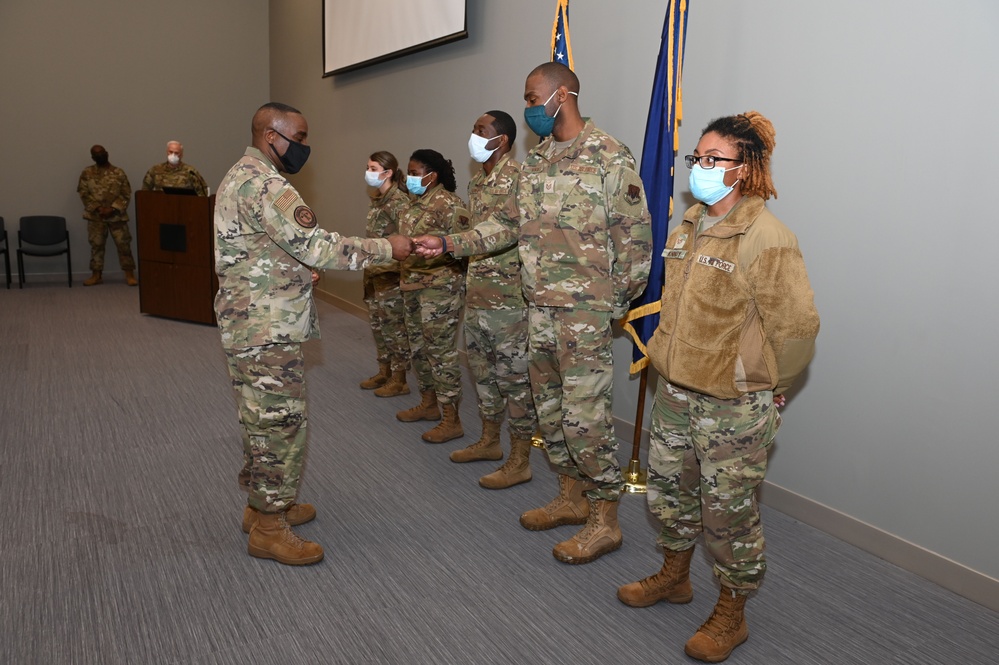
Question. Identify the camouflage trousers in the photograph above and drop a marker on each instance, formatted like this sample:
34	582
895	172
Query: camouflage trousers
496	341
97	234
432	317
269	382
707	456
387	317
572	376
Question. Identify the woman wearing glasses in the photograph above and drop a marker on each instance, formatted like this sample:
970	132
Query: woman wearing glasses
737	326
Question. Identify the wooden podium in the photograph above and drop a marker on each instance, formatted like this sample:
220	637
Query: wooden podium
175	236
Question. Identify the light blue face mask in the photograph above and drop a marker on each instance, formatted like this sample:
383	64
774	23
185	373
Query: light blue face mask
708	185
414	184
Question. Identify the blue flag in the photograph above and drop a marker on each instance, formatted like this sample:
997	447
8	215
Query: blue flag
561	46
658	153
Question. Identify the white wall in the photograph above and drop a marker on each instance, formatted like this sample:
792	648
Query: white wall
129	75
885	145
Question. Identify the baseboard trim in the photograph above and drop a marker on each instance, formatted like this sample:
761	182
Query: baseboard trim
949	574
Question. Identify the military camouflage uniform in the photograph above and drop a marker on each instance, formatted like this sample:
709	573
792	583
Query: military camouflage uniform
433	291
168	175
496	313
386	312
738	325
266	238
106	186
583	227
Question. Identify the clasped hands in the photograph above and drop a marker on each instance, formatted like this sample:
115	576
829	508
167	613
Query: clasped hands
425	246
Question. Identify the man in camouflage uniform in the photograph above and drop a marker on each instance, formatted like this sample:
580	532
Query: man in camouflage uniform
105	192
174	173
266	239
496	315
584	233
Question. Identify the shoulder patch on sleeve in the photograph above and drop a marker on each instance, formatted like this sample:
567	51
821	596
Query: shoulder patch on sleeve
305	217
285	200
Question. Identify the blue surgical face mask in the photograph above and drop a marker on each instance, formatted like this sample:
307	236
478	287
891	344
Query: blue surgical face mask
414	184
708	185
538	119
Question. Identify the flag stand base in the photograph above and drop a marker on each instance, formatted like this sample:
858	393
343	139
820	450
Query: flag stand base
635	478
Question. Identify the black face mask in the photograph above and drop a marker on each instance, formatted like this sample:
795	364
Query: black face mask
101	159
295	156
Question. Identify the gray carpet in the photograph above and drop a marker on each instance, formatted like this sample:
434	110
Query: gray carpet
121	539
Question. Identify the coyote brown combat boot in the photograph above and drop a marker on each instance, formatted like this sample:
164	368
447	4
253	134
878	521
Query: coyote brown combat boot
395	386
297	513
95	278
569	507
272	538
671	583
724	630
379	379
486	448
515	471
448	428
600	536
130	278
427	409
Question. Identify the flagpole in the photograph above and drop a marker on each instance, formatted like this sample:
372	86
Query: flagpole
636	478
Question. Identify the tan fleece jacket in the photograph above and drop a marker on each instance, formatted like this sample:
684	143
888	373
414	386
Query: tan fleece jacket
738	313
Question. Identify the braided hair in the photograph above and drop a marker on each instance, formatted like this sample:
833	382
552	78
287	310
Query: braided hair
754	137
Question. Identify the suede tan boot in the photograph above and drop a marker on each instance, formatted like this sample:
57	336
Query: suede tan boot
671	583
486	448
427	409
724	630
515	471
379	379
600	536
395	386
94	279
130	278
272	538
297	513
569	507
448	428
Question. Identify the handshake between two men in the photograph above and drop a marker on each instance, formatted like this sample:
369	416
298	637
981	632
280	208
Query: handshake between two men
424	246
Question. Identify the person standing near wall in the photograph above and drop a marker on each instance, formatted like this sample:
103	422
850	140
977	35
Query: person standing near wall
434	292
737	327
580	217
386	313
266	241
496	314
105	192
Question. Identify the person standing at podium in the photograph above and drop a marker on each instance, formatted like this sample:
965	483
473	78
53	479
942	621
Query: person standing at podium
105	191
174	173
267	240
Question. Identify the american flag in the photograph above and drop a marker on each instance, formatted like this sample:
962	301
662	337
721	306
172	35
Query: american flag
561	46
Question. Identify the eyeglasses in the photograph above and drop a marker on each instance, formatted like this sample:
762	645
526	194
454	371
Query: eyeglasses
706	161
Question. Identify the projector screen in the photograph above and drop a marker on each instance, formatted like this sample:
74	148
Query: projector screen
358	33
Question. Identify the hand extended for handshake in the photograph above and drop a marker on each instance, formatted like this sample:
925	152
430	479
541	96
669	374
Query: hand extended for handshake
426	246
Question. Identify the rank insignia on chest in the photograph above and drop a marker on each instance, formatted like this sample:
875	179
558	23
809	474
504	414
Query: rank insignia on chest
549	186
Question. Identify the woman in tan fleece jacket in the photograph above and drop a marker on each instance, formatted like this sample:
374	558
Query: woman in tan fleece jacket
737	326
